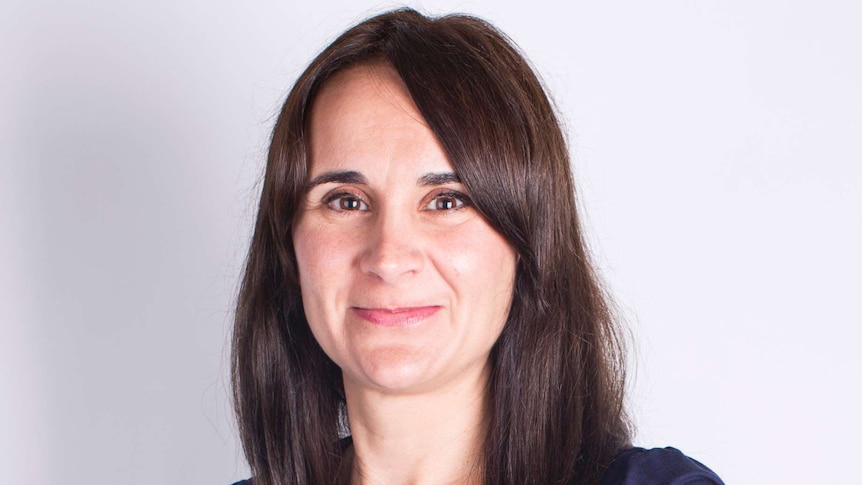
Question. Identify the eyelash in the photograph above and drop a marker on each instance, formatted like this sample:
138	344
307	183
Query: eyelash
337	197
461	201
334	201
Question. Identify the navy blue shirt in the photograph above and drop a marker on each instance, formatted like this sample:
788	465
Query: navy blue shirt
658	466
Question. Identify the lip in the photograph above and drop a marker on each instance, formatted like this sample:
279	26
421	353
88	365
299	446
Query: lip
396	317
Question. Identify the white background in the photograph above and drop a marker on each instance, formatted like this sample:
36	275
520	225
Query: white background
716	147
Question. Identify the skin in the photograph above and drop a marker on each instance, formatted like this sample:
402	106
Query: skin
405	286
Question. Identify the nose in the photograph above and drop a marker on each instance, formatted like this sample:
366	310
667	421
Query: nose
393	250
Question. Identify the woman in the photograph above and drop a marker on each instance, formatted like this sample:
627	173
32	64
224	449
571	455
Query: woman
418	304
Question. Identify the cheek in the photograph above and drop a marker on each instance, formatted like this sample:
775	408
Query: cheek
323	261
482	267
321	257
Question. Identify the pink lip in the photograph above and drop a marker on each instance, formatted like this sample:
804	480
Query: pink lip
396	317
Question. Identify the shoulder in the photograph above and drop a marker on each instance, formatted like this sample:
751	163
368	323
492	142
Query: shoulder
658	466
639	466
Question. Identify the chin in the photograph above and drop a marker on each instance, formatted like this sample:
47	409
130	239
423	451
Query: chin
391	370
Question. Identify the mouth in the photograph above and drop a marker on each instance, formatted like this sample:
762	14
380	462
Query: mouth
395	317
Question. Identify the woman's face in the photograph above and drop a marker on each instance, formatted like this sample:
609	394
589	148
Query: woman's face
405	286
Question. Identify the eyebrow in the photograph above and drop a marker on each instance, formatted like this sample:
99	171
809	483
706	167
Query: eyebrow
440	178
343	177
354	177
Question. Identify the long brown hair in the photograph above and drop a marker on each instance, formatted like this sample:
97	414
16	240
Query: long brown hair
556	387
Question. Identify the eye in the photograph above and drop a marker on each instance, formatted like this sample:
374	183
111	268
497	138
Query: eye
447	201
346	201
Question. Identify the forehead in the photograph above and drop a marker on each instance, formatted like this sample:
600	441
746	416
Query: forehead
371	90
365	113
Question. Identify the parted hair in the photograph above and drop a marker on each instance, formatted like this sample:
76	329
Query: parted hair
556	390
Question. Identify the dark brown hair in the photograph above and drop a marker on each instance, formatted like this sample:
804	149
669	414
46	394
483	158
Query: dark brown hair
556	410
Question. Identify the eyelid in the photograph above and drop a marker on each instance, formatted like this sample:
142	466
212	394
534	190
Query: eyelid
341	192
331	197
462	198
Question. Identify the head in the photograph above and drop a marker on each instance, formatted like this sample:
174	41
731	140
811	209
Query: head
404	284
494	125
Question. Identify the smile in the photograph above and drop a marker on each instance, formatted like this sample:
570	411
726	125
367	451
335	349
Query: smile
397	317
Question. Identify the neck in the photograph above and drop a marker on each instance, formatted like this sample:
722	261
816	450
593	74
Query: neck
423	438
